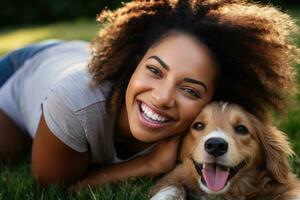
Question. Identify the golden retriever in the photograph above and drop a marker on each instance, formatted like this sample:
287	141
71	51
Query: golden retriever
229	154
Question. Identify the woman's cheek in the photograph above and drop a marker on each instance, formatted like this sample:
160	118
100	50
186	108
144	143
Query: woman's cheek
140	79
189	112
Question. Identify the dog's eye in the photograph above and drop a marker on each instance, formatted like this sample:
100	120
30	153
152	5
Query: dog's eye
198	126
241	129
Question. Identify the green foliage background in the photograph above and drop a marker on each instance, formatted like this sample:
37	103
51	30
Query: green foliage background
41	11
16	12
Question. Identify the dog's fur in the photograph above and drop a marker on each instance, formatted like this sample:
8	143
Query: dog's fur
264	150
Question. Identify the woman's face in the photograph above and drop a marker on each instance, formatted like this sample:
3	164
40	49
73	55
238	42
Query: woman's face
169	87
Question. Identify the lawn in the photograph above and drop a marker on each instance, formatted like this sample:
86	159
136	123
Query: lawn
16	182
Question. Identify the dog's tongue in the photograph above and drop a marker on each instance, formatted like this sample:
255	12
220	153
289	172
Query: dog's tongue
214	176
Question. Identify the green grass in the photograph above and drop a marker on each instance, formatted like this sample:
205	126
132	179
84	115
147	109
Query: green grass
16	182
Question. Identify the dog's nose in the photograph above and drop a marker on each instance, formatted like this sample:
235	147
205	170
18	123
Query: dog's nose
216	146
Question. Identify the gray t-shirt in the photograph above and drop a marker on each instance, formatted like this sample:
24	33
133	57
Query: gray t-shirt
56	82
77	115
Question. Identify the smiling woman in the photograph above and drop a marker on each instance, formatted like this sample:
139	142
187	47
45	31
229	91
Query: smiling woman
124	101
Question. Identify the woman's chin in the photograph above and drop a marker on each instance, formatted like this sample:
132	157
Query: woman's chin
144	137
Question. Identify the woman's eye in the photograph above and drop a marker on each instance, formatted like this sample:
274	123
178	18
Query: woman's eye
154	70
192	92
241	129
199	126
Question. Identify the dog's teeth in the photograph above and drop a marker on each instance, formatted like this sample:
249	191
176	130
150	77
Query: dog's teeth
204	166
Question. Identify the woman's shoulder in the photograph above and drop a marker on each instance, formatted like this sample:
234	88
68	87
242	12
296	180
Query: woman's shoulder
74	110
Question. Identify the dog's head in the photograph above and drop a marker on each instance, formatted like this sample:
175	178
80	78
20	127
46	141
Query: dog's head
225	143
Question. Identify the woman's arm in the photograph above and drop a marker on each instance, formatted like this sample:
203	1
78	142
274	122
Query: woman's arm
161	160
55	162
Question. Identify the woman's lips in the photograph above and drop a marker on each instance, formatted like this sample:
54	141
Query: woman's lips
150	118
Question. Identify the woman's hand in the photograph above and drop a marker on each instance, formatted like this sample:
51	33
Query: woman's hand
163	157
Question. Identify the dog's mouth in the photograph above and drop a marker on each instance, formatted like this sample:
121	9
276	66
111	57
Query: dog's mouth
216	176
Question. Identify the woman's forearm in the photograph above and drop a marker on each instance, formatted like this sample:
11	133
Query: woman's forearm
137	167
160	160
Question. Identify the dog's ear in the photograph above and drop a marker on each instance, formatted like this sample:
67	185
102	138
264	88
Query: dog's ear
277	151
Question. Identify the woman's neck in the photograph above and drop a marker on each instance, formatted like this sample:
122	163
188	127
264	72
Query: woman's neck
122	128
123	137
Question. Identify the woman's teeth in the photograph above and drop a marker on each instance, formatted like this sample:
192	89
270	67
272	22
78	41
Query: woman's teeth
152	115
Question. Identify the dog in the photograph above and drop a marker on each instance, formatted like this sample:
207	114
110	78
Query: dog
229	154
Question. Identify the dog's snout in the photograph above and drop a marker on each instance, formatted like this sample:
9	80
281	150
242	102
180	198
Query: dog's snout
216	146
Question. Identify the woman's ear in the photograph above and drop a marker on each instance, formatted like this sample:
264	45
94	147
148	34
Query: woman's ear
277	150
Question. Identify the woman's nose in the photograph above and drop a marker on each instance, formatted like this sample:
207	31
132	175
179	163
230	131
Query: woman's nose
164	96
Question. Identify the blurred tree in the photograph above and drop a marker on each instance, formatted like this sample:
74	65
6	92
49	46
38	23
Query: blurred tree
16	12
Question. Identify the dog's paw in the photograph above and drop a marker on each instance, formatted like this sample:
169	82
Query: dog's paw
170	193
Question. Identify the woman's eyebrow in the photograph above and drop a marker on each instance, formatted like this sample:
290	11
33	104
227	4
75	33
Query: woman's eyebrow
162	63
196	82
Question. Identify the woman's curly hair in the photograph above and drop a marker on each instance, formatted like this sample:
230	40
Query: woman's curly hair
251	42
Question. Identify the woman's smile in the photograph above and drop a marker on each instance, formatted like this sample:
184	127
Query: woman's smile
152	118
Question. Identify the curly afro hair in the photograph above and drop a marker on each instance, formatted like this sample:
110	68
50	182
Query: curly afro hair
251	42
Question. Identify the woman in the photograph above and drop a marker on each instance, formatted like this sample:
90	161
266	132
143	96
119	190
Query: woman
154	65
